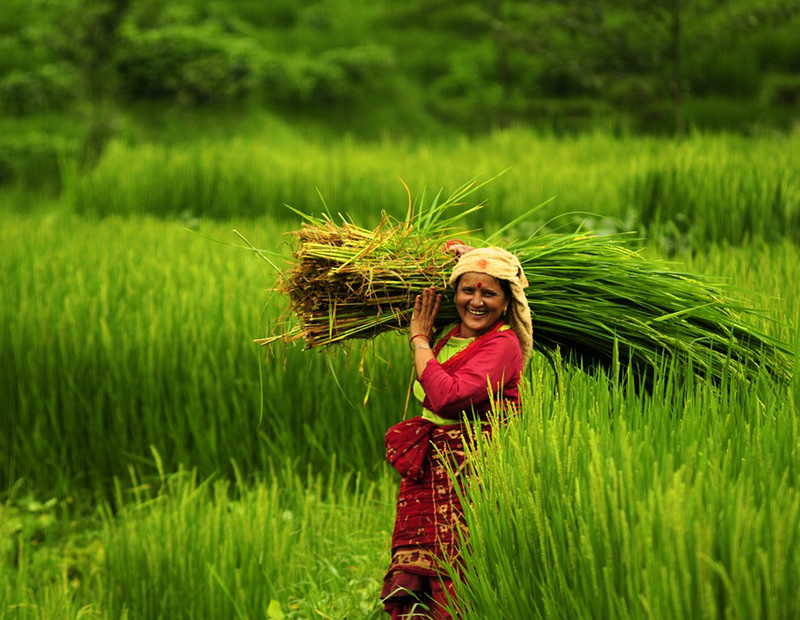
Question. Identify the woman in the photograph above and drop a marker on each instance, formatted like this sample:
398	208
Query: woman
474	367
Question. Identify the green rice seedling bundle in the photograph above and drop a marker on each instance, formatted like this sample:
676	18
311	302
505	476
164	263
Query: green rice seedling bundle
592	297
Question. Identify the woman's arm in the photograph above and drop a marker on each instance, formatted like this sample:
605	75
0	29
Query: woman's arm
491	367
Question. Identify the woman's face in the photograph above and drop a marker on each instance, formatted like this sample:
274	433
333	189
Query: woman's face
480	301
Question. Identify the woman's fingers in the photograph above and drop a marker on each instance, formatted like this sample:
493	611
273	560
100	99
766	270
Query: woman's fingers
426	307
417	308
459	249
427	300
431	303
429	295
436	306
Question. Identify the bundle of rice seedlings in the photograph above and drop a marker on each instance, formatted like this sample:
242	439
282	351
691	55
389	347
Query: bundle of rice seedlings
591	297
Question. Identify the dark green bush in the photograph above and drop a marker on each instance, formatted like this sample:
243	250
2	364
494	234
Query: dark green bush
782	90
283	80
735	73
33	161
193	65
780	50
738	115
14	54
49	87
337	75
361	63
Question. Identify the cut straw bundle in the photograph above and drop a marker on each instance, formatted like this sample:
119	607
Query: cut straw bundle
591	297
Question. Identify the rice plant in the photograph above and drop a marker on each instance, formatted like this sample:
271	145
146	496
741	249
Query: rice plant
127	334
180	546
591	296
672	191
600	503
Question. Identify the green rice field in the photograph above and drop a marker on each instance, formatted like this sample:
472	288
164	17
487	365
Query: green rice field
156	463
670	190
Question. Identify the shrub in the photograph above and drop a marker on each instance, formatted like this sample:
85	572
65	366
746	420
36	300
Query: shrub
191	64
733	74
780	50
32	161
361	63
782	90
49	87
335	76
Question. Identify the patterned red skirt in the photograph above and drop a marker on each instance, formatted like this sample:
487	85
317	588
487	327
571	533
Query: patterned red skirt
430	521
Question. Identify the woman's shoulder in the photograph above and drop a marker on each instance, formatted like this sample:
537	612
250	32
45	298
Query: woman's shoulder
507	332
504	340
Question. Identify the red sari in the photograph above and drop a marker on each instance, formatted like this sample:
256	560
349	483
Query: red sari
429	518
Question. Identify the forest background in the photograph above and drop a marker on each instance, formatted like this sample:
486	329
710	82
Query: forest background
409	69
140	426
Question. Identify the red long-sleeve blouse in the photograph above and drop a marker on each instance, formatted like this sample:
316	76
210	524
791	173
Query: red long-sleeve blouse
490	367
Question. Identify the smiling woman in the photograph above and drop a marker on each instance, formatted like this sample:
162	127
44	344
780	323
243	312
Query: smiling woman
473	369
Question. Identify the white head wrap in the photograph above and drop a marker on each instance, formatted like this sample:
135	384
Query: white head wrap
503	265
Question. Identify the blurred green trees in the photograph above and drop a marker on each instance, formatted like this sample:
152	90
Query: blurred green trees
469	64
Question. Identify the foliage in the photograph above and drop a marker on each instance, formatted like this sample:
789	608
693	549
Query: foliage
48	87
124	335
33	161
471	65
131	333
598	502
336	76
302	546
591	297
282	546
755	207
644	184
735	74
779	50
193	65
783	91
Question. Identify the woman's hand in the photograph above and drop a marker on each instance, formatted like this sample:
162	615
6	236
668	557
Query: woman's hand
426	306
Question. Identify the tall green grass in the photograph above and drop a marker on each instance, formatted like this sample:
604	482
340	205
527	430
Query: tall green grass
122	334
119	335
596	502
763	276
291	544
126	350
696	198
126	354
180	546
702	190
602	503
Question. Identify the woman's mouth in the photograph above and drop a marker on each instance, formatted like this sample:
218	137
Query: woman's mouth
476	312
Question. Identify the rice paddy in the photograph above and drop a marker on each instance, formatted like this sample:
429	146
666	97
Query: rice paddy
669	190
155	462
591	297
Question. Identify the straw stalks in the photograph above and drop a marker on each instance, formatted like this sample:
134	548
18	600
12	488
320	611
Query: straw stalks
592	297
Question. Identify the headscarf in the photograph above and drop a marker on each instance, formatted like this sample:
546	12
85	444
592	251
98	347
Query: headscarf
503	265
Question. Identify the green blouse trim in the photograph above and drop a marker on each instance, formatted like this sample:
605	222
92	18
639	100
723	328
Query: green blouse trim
451	347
